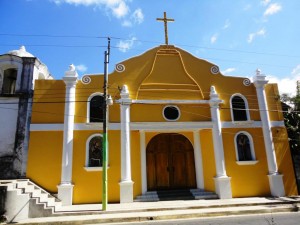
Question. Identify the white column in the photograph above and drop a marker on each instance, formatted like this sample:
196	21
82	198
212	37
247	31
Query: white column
126	184
143	161
275	179
222	181
65	188
198	160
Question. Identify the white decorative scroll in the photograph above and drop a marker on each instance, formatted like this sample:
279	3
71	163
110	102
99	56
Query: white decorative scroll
246	82
120	68
86	79
214	69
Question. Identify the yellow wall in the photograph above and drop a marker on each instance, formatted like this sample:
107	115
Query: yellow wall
45	158
208	157
49	98
246	180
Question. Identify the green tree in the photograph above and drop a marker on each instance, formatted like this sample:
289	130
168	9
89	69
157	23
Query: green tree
291	113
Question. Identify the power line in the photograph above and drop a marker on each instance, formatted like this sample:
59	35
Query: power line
145	41
52	36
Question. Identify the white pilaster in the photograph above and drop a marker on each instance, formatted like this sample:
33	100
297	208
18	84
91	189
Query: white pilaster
198	160
65	188
126	184
275	179
143	161
222	181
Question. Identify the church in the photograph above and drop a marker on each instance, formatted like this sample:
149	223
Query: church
175	123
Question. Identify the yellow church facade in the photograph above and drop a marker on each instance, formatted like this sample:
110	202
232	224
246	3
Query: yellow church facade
176	123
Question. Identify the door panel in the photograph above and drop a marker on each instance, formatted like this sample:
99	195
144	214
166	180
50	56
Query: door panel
191	173
178	170
151	174
162	172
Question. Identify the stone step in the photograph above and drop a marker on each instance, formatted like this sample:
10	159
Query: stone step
168	195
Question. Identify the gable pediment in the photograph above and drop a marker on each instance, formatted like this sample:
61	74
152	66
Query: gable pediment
168	76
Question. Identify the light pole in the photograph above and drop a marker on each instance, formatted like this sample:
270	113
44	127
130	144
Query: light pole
105	119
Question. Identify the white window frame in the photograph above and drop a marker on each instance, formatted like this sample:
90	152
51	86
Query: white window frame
88	106
10	64
249	162
87	148
246	108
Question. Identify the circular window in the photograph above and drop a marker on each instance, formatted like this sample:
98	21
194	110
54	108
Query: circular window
171	113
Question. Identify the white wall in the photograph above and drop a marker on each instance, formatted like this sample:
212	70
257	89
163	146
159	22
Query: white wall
8	124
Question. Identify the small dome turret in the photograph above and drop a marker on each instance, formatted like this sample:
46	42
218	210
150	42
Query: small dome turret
21	52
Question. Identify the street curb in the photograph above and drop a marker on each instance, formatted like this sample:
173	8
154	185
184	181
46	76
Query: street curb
162	215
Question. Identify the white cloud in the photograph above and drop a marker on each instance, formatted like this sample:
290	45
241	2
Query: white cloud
251	36
137	16
265	2
126	23
288	84
126	45
118	8
81	68
226	25
228	71
214	38
272	9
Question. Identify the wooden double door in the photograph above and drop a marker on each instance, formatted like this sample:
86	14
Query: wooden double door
170	162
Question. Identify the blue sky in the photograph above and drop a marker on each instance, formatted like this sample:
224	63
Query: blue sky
239	36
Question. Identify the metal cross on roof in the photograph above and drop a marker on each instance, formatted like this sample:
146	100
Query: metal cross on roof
165	20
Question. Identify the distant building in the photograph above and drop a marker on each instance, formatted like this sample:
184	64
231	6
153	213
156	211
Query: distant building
18	71
176	123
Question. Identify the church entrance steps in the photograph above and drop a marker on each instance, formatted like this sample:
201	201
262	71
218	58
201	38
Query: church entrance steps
25	199
169	195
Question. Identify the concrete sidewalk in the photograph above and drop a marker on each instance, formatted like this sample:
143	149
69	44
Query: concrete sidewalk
163	210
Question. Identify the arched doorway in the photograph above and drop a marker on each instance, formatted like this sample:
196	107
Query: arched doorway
170	162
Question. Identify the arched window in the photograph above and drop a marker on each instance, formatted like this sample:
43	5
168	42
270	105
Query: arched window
94	151
244	147
95	109
239	108
9	81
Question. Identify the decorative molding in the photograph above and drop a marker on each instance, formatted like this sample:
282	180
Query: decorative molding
86	79
169	101
159	126
243	163
247	82
167	126
214	69
120	68
92	169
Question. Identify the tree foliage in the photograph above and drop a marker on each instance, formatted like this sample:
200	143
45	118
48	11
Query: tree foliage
291	113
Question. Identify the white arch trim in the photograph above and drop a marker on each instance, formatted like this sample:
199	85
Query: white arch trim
87	147
88	105
246	106
253	161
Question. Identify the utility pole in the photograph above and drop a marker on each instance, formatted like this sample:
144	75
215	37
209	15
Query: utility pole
105	120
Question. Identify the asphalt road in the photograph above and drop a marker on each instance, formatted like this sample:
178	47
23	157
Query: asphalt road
261	219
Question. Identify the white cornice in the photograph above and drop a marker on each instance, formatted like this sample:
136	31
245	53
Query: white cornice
170	101
154	126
